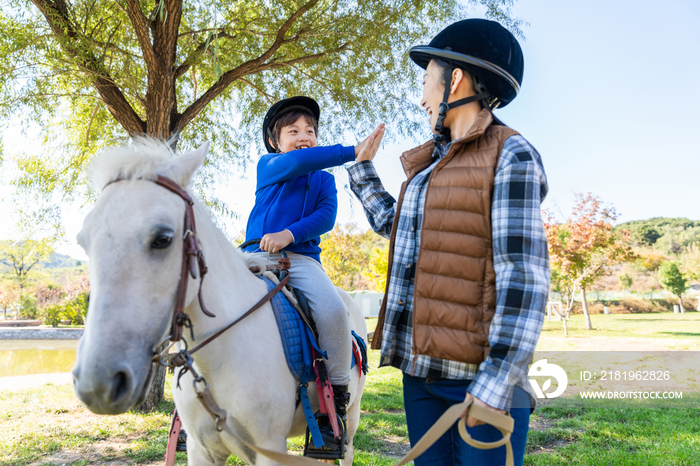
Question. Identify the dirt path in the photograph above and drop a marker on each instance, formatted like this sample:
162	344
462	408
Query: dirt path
21	382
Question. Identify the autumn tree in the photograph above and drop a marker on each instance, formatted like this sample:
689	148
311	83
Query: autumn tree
378	267
672	279
689	262
7	299
21	258
585	246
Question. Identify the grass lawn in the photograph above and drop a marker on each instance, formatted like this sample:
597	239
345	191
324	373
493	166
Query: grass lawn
48	426
663	325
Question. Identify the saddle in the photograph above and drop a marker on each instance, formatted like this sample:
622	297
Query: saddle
304	357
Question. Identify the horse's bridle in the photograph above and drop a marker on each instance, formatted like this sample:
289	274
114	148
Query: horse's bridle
191	251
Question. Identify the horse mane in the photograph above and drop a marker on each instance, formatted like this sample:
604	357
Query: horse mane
142	159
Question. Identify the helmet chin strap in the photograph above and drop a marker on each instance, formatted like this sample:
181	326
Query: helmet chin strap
444	106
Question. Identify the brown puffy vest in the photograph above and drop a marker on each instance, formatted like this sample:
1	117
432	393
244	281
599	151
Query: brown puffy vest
455	285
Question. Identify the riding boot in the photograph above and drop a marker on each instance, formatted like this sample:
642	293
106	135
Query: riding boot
333	448
341	398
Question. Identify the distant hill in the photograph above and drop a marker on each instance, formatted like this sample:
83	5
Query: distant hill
667	235
57	260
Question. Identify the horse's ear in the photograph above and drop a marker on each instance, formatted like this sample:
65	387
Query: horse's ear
189	162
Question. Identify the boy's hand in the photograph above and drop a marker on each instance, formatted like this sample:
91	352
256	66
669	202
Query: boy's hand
360	146
275	242
370	146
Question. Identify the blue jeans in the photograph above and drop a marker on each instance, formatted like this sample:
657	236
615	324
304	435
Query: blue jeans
427	399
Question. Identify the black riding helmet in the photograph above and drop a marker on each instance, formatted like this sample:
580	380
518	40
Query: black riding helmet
484	48
280	108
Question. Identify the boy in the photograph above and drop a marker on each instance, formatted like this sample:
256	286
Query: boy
295	203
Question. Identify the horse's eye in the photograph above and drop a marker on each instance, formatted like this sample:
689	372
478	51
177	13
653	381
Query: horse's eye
162	241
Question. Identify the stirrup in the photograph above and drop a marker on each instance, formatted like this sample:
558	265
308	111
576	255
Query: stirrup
181	441
333	448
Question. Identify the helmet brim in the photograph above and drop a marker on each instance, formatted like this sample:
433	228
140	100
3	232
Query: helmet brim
283	106
423	54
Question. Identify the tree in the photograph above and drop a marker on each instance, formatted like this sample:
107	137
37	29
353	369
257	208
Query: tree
92	71
99	70
625	281
647	235
342	255
564	285
7	299
355	259
673	280
690	262
378	267
585	246
21	258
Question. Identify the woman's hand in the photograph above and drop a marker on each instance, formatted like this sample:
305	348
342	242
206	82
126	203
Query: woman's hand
471	422
275	242
371	145
367	149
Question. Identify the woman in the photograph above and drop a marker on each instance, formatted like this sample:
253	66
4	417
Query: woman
468	270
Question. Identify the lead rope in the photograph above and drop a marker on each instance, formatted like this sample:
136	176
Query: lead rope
502	422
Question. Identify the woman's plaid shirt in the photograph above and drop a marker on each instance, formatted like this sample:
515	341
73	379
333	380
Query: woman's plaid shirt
521	263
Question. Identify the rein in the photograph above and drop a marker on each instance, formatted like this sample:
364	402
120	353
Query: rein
190	251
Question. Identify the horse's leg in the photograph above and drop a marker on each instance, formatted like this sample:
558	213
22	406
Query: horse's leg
352	425
197	455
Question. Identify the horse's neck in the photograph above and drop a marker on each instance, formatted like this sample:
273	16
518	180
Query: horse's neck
229	288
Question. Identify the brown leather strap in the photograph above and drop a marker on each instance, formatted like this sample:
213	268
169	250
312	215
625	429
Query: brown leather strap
257	306
190	251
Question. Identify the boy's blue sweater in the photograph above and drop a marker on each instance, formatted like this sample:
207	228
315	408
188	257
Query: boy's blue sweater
293	193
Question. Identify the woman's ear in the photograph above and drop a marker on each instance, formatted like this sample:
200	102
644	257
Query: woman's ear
457	77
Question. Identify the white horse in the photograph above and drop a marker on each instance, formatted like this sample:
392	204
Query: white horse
134	237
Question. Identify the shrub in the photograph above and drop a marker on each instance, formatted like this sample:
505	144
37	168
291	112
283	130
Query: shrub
649	260
75	310
27	307
52	315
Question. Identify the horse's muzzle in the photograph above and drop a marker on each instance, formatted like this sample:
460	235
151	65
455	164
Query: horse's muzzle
107	390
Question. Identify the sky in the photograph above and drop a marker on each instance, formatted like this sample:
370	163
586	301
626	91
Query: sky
609	99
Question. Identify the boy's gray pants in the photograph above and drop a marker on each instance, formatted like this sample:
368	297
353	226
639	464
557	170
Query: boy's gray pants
328	309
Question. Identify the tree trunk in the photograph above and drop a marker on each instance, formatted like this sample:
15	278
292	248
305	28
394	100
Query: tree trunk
586	315
157	389
680	301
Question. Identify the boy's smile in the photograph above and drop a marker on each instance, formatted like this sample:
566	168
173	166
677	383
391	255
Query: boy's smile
298	135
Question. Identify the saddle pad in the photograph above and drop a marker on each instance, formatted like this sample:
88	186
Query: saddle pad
292	332
298	339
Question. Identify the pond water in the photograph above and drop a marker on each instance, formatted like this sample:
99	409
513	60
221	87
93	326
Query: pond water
25	357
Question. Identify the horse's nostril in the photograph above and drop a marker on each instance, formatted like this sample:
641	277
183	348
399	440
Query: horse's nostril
120	388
